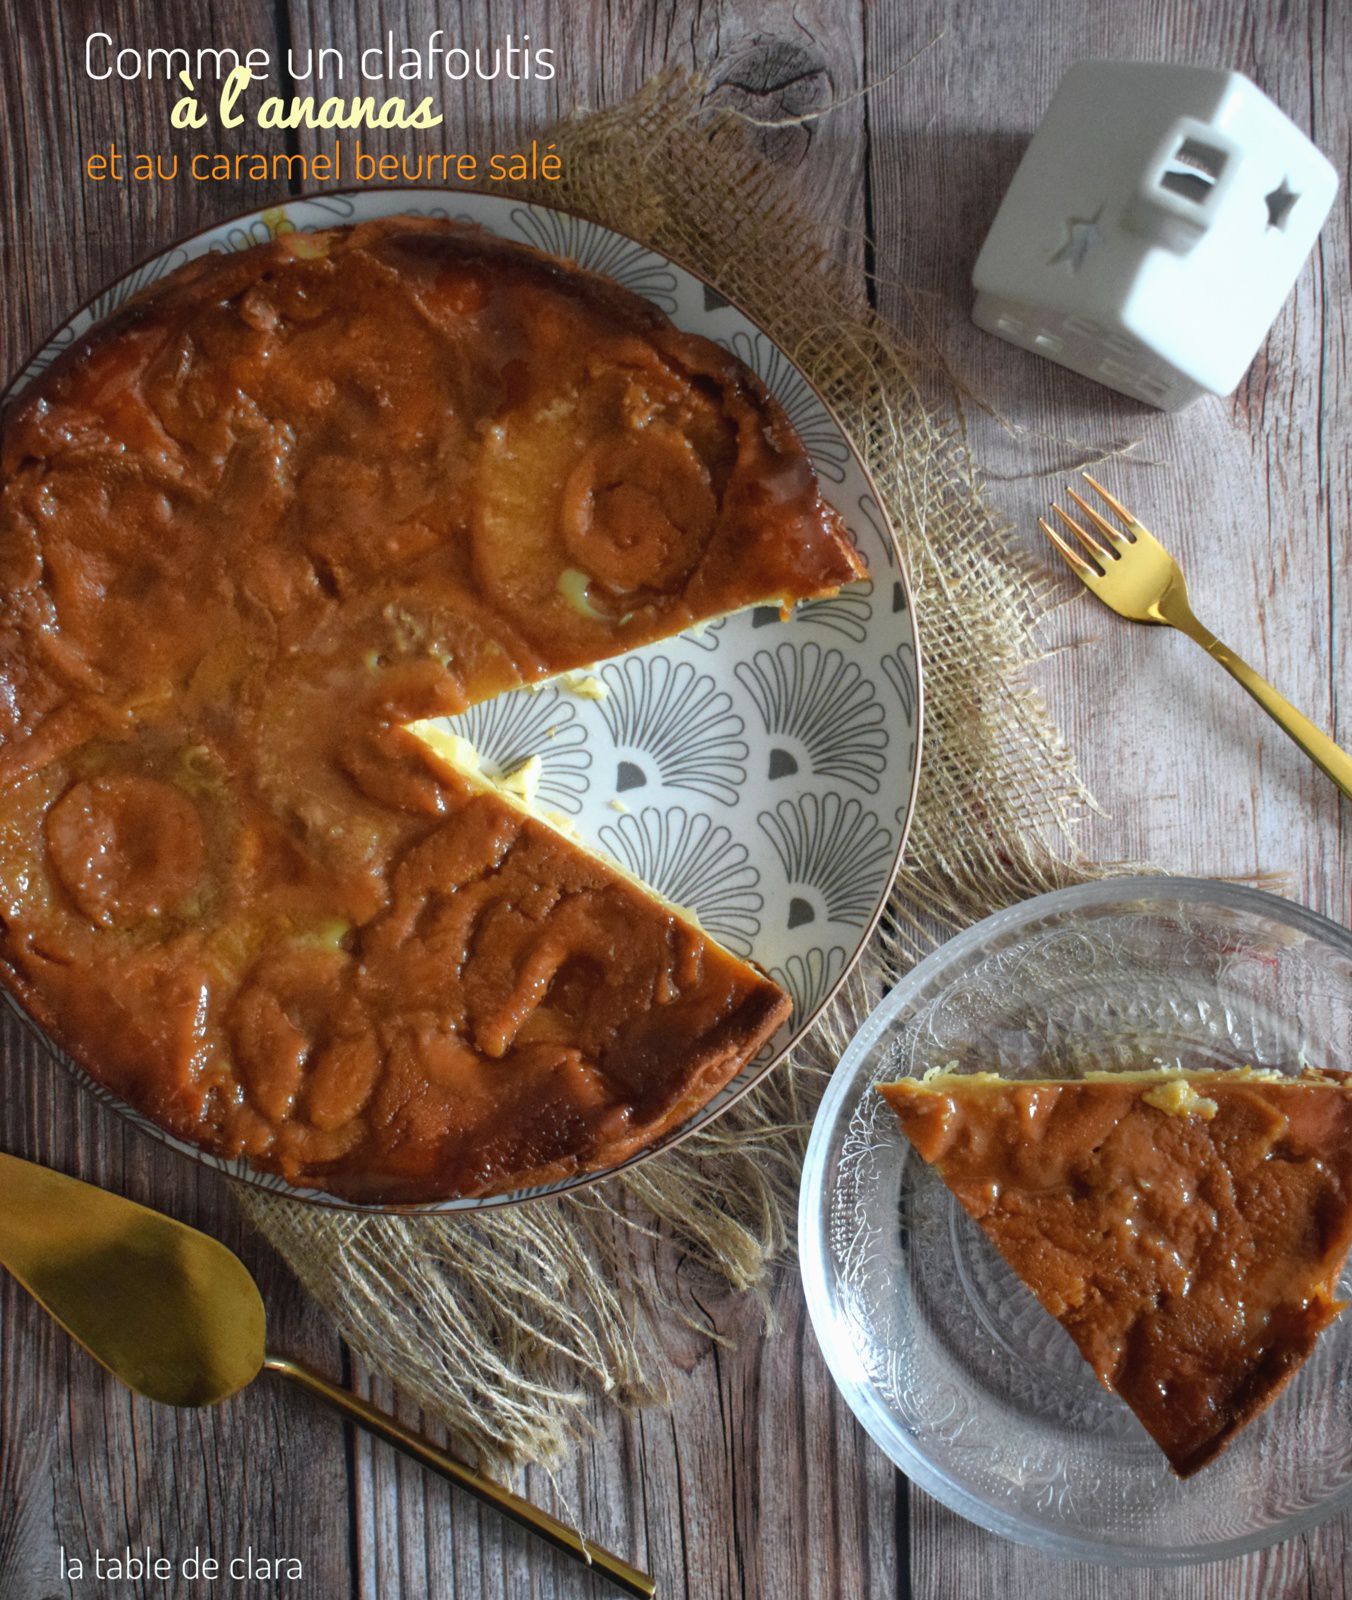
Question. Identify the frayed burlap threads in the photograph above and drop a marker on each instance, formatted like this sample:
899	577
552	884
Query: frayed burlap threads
505	1324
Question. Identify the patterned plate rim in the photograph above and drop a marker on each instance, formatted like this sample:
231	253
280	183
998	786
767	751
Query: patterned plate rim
754	1072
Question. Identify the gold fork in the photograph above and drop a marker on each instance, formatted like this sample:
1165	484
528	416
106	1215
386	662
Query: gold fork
1133	574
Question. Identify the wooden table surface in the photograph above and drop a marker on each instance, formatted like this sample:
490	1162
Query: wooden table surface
758	1482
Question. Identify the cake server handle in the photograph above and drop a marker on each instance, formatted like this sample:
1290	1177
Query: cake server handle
385	1427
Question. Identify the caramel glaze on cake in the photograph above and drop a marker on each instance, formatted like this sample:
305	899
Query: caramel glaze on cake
283	503
1187	1232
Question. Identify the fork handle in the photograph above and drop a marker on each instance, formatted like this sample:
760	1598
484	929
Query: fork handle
1332	761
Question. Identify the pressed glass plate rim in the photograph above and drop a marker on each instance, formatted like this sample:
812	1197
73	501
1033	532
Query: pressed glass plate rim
813	1255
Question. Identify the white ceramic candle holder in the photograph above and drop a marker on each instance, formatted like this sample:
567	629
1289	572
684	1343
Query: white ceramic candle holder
1153	229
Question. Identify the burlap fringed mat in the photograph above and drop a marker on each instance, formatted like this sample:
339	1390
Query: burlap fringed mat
505	1324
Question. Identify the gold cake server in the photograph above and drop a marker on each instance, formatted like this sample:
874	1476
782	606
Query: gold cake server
1133	574
179	1319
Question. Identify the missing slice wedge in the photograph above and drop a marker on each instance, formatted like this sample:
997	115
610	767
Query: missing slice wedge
1186	1229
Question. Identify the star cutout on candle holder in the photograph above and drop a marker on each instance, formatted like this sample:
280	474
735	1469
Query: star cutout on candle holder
1083	234
1279	204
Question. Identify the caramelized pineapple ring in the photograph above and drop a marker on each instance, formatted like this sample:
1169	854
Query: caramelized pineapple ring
125	847
604	495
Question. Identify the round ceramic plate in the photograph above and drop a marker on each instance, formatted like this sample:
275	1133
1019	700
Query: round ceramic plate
942	1353
760	771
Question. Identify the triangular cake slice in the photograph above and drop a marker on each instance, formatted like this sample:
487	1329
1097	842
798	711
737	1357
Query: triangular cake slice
1187	1230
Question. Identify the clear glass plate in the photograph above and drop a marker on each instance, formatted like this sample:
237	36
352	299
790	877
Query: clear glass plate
945	1357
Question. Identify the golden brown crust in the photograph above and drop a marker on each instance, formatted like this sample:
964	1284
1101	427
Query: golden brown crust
1191	1246
282	503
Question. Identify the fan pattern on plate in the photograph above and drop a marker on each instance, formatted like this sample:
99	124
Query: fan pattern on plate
835	855
681	722
848	612
820	708
728	766
899	670
625	260
511	729
695	862
811	419
811	976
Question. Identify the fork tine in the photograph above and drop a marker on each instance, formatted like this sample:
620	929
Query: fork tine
1087	539
1074	560
1113	535
1113	504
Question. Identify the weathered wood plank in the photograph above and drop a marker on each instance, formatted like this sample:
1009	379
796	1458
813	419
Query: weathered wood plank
82	1464
1251	493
